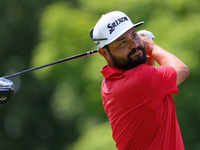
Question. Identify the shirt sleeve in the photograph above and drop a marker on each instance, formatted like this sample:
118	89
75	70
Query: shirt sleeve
156	82
159	81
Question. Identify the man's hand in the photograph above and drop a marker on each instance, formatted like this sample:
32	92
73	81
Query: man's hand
146	33
147	38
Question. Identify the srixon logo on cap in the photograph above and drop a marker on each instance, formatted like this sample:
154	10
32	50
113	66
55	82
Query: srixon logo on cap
111	26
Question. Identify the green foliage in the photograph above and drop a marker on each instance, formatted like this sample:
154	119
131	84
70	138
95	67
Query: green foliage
62	33
59	107
97	138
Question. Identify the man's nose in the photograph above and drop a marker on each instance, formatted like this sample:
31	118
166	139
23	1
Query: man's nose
133	44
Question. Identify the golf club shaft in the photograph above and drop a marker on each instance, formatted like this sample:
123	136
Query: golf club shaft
52	63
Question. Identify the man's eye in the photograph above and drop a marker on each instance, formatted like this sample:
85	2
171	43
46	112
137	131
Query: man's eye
134	35
123	42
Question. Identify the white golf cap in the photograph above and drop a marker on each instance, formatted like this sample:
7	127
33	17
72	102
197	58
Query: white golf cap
111	26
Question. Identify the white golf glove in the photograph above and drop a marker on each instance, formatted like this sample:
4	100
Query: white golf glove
146	33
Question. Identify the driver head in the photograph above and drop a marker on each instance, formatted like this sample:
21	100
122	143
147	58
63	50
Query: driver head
6	90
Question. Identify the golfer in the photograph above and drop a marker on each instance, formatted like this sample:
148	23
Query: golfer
137	96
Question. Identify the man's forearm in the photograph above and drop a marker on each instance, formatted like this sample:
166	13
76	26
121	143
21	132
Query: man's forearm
165	58
150	61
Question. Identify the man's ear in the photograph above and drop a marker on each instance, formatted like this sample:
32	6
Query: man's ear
104	53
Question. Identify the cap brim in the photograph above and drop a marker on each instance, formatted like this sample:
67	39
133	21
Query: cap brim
138	24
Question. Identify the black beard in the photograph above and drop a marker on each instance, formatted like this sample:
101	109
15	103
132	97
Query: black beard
129	63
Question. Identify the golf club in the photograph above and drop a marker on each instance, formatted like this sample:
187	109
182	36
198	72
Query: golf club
7	86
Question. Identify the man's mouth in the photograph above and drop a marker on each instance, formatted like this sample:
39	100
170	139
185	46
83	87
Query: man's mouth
138	52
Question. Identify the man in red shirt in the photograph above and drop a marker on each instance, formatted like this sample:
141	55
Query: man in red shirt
137	96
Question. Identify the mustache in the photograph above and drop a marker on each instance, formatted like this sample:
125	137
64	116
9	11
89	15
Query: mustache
134	50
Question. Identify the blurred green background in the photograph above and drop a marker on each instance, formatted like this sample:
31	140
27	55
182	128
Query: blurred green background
59	107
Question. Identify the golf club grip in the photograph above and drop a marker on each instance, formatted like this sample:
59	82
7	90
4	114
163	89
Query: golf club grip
52	63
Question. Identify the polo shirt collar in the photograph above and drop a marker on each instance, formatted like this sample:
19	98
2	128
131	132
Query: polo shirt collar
111	72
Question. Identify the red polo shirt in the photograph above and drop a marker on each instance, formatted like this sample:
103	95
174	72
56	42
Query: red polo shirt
140	107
